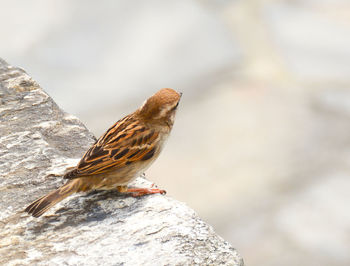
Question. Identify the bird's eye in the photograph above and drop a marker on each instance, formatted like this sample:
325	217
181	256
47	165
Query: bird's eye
172	109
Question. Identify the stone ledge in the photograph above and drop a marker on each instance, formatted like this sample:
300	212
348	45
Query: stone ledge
38	141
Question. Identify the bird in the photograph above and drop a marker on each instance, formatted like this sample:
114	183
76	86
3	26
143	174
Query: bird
121	154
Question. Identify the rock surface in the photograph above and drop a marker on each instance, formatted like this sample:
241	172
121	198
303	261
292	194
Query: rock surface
38	141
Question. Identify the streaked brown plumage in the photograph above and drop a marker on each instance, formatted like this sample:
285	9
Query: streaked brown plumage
124	152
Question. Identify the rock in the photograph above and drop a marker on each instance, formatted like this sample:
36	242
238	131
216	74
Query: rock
38	141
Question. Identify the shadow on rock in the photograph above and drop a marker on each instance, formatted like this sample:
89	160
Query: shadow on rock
96	206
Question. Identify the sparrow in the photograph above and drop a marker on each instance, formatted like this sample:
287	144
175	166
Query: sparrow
121	154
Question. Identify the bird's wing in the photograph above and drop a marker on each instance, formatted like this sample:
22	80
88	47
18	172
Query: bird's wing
126	142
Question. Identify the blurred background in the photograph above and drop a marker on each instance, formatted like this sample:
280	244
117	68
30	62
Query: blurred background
261	144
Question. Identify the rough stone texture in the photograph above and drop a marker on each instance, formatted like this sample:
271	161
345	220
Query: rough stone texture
38	141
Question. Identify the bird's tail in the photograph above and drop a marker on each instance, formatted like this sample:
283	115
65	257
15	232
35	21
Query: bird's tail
41	205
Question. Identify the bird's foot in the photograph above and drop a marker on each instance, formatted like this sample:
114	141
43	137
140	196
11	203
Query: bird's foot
137	192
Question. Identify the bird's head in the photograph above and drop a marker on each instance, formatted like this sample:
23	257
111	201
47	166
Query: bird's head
161	107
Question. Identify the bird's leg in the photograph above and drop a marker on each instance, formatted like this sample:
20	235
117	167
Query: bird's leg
137	192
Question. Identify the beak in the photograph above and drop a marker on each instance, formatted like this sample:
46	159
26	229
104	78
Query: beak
180	94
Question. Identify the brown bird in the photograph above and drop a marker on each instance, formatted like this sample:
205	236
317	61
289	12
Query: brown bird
120	155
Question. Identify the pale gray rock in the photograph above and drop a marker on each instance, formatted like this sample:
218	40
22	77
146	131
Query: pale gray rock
38	141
